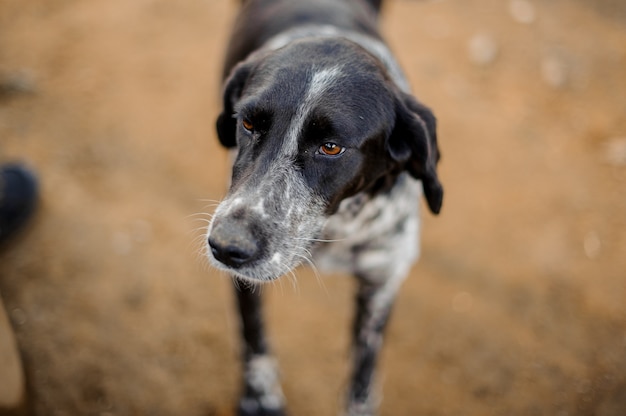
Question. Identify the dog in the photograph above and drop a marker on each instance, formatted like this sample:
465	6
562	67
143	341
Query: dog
331	154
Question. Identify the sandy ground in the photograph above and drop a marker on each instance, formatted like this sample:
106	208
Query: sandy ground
518	306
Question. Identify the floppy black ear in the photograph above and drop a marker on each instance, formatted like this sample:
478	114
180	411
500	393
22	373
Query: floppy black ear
226	123
413	142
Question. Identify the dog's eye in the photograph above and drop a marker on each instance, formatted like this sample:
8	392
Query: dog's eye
247	124
331	149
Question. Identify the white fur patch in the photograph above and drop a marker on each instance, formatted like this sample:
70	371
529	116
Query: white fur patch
320	82
262	376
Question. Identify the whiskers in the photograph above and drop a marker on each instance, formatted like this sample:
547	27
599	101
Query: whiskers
320	240
308	259
305	255
199	225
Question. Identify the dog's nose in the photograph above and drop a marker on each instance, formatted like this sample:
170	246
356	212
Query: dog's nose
232	255
232	244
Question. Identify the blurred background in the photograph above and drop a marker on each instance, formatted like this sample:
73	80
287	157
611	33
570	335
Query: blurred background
517	307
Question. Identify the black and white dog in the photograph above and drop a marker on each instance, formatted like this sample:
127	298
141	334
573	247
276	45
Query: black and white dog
331	156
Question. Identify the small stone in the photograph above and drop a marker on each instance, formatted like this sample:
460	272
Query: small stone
122	243
522	11
592	245
483	49
554	72
18	316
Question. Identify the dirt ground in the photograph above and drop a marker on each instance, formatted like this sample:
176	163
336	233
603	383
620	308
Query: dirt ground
517	307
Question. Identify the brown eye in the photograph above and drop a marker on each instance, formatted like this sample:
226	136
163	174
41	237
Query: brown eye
247	124
331	149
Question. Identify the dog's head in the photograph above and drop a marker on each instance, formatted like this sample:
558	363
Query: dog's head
312	123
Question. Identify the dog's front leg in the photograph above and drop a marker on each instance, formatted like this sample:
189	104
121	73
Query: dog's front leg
262	394
373	306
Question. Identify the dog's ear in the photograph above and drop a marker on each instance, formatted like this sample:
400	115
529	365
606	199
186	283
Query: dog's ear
413	143
226	123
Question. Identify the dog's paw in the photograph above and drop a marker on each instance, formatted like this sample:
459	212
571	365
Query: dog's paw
263	395
360	410
367	406
249	406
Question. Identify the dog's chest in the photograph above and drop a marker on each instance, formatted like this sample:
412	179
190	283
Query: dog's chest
385	225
